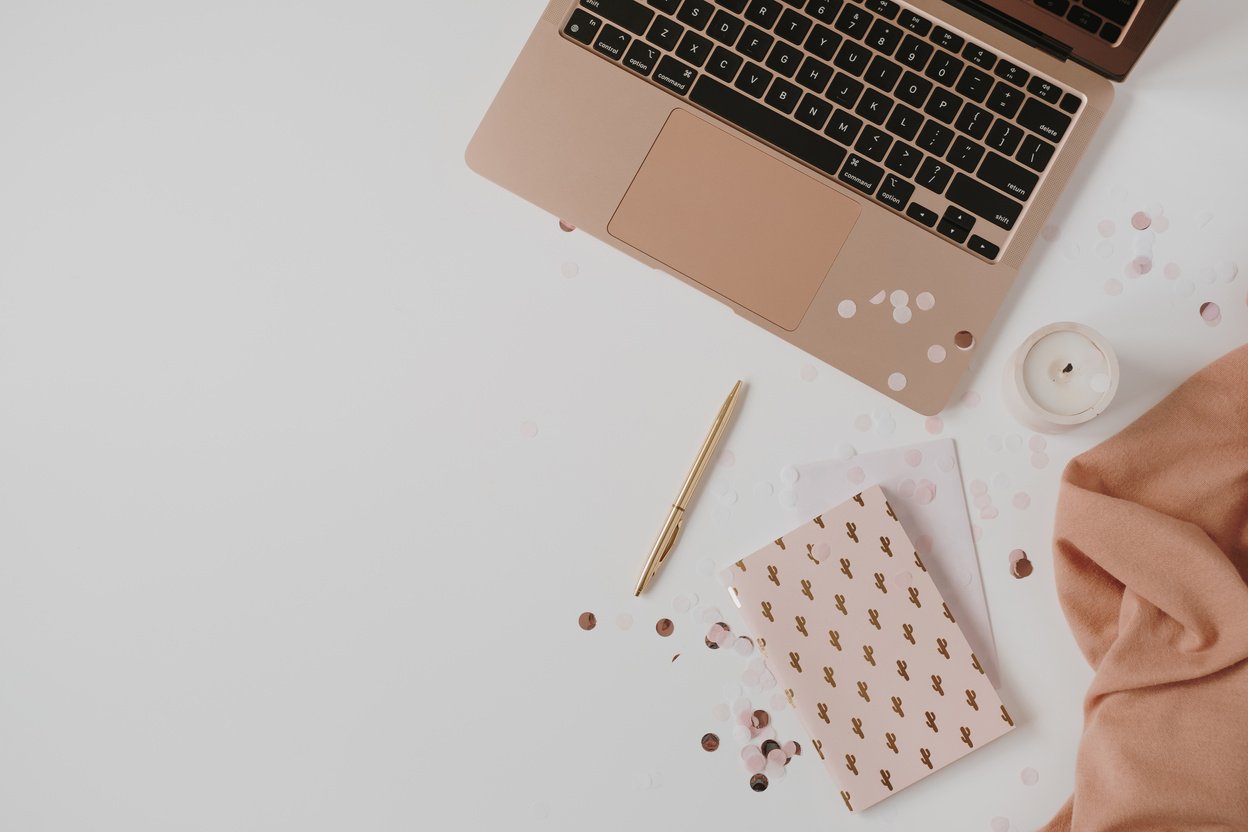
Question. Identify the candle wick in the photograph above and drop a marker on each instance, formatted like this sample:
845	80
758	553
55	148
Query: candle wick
1068	368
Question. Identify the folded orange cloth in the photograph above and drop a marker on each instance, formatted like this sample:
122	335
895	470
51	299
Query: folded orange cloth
1151	559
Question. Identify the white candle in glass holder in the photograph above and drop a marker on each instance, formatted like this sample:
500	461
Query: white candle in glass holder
1062	376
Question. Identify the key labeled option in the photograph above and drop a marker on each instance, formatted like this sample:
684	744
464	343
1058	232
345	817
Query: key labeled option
895	192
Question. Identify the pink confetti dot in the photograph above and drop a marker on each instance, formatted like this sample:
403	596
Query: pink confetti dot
989	513
755	763
855	475
1139	266
809	373
979	487
789	748
914	457
863	422
1172	271
924	495
1040	460
971	399
923	544
1037	443
1161	225
564	225
906	488
946	463
934	425
1029	776
528	429
1022	500
1050	233
750	678
1000	825
624	621
744	646
1113	287
983	501
1211	313
925	301
897	382
1141	221
777	757
1105	228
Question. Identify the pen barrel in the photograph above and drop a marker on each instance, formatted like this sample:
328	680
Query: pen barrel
709	444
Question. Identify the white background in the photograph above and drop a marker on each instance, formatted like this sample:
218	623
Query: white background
277	554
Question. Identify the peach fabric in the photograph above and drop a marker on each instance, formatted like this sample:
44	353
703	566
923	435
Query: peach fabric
1151	560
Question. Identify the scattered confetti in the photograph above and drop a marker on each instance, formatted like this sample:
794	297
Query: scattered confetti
1029	776
934	425
1014	442
588	621
760	719
1037	443
886	427
1139	266
914	457
1161	225
979	488
809	373
729	498
1022	501
789	474
1020	566
924	495
897	382
899	298
624	621
1105	228
664	627
1211	312
758	782
1226	271
727	458
879	297
863	422
847	308
902	315
1140	221
682	603
989	513
528	430
936	353
710	742
946	463
845	452
744	646
964	340
1040	460
570	270
971	399
925	301
564	225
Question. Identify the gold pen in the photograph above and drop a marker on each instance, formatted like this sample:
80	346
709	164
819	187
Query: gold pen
671	526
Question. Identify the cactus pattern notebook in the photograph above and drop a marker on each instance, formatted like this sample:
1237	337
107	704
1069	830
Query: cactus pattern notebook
867	650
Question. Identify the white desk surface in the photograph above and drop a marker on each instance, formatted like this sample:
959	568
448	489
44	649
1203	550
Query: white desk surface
276	549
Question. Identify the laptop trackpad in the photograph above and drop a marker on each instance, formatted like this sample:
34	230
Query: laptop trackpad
730	217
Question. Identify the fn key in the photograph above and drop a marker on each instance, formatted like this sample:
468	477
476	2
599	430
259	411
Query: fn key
582	26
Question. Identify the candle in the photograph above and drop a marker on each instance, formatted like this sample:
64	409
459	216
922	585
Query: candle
1062	376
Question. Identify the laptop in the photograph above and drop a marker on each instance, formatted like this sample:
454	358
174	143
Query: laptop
862	178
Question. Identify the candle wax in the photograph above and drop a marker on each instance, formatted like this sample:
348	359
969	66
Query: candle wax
1059	373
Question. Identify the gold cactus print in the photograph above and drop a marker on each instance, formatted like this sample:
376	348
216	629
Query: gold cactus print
856	723
795	661
890	742
823	712
975	664
845	564
942	647
901	670
773	575
845	796
740	565
918	561
834	638
829	676
948	614
818	521
897	707
914	597
888	509
886	778
931	721
851	763
818	748
767	612
966	737
840	604
879	582
886	545
874	617
851	531
936	686
801	624
810	554
806	589
868	653
970	699
858	499
862	691
780	543
1005	717
907	630
925	757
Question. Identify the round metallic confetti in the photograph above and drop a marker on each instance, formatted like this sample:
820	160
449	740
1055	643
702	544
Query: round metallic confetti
675	657
744	646
1105	228
878	297
710	742
1141	221
1211	313
564	225
1139	266
588	621
847	308
964	340
665	627
760	719
1020	566
758	782
528	429
1029	776
769	746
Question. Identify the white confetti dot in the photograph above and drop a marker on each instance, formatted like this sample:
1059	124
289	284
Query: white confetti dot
899	298
789	474
878	298
1029	776
570	270
902	314
809	373
763	489
897	382
847	308
925	301
1226	271
528	430
730	498
845	452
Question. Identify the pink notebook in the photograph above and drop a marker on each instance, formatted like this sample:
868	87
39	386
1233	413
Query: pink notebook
868	652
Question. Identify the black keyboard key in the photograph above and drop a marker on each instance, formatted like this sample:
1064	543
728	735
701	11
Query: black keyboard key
668	6
945	39
766	124
884	37
1058	7
725	28
694	48
1035	153
612	42
843	127
959	217
814	75
793	26
1016	181
1111	32
873	144
944	68
755	43
921	215
724	64
754	80
1004	137
1016	75
641	57
953	231
763	12
854	21
983	201
1118	11
785	59
783	95
665	33
861	174
845	90
824	10
874	106
822	42
814	111
883	73
913	90
1005	99
582	26
965	154
737	6
973	121
853	57
904	122
915	53
916	23
626	13
674	75
935	139
943	105
934	175
1044	89
886	8
696	13
979	56
904	159
974	84
982	247
1044	120
1071	103
1084	19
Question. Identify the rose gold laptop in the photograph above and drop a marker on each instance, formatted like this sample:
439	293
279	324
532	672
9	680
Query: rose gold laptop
862	178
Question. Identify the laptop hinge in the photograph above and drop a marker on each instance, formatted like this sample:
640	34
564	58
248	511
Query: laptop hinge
1007	24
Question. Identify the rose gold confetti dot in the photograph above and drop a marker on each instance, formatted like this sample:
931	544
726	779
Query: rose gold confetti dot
1037	443
759	782
847	308
720	712
1050	233
769	746
983	501
878	298
1040	460
923	544
744	646
1211	313
1022	500
863	422
1105	228
855	475
1139	266
1000	825
902	315
914	457
777	758
570	270
964	340
809	373
979	487
528	430
1172	271
588	621
924	495
897	382
760	719
1029	776
906	488
664	627
971	399
624	621
1141	221
934	425
946	463
710	742
564	225
989	513
1020	566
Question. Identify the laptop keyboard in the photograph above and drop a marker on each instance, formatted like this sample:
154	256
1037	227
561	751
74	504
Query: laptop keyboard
882	99
1104	18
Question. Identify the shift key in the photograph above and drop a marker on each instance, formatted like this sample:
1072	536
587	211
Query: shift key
983	201
627	13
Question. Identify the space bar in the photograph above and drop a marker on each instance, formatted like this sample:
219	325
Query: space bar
768	125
